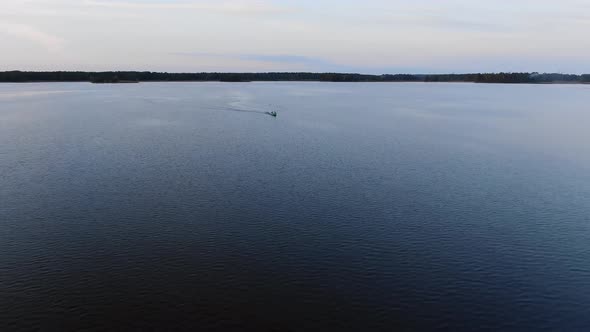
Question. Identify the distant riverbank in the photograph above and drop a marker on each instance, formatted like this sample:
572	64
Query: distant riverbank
135	76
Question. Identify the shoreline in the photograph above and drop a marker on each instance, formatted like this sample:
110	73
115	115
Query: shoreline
297	81
117	77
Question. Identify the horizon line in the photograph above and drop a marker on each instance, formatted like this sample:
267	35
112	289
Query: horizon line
286	72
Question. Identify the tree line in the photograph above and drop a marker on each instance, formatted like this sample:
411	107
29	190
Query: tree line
147	76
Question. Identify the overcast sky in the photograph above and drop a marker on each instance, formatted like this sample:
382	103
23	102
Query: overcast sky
370	36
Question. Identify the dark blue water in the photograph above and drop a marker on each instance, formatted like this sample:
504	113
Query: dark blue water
361	207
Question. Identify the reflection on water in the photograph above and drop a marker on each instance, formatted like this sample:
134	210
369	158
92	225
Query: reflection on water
7	95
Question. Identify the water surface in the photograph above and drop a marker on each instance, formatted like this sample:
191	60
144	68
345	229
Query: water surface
175	206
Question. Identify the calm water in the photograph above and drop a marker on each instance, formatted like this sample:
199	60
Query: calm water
171	206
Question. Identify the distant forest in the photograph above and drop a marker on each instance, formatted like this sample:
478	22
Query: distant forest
135	76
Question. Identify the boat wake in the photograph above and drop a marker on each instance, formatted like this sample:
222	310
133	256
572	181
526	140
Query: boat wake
233	109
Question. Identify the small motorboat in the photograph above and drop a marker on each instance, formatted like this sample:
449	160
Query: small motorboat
273	113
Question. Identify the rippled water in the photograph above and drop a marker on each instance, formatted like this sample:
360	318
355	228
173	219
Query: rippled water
175	206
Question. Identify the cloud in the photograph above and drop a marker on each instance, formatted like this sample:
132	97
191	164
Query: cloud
292	62
240	7
50	42
281	59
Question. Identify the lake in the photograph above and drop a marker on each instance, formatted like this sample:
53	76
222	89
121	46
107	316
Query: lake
361	206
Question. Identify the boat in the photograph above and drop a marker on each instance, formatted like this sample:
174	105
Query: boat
273	113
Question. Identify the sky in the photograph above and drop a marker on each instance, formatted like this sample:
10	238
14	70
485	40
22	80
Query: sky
366	36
